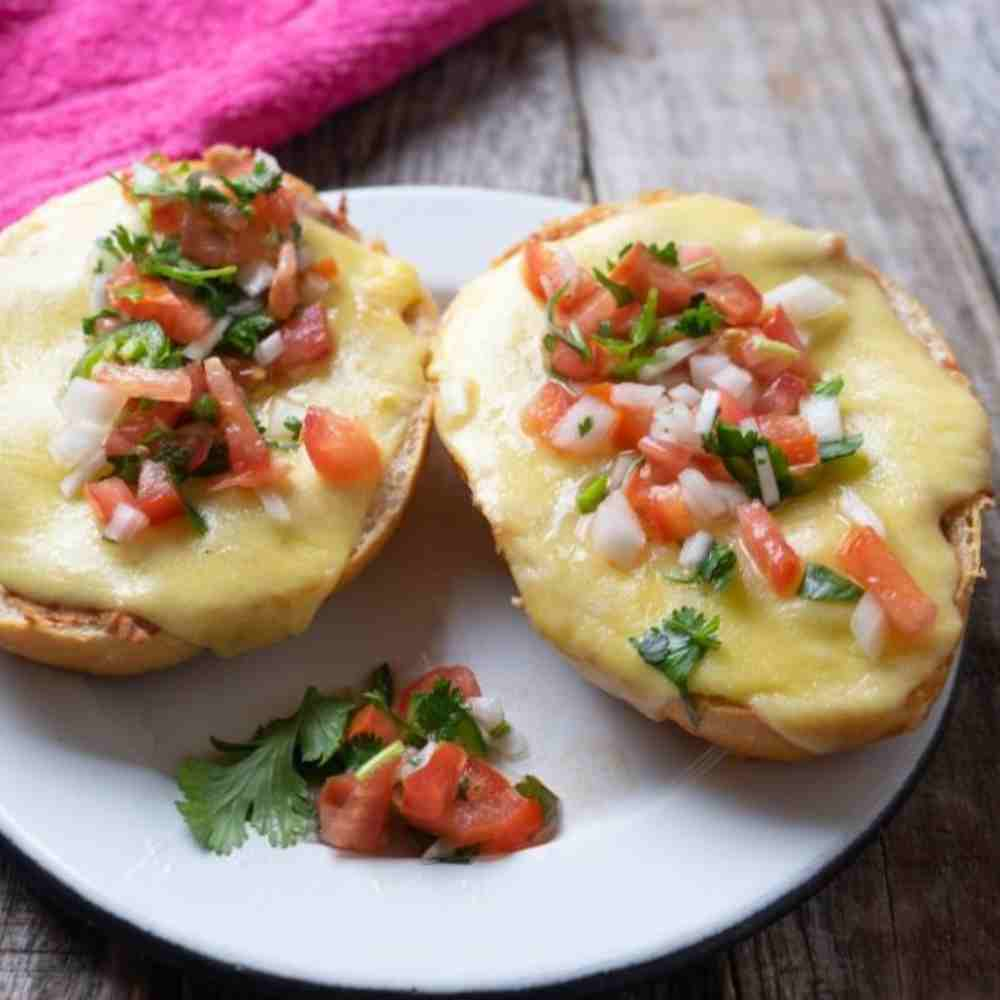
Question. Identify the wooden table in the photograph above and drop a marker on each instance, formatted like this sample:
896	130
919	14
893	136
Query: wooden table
878	118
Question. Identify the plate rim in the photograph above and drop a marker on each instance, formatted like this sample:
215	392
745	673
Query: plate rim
75	903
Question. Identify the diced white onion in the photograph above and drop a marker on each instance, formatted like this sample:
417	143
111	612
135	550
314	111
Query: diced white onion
732	495
92	402
602	420
704	366
636	396
255	278
822	413
675	422
200	349
685	393
803	298
701	496
83	473
243	308
144	176
708	409
868	623
488	712
769	491
269	349
512	745
616	533
454	400
750	424
621	467
856	510
275	506
665	358
98	291
76	442
735	380
440	850
126	522
282	410
694	550
414	760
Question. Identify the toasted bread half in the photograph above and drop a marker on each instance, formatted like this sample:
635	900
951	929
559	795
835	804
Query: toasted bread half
731	724
120	642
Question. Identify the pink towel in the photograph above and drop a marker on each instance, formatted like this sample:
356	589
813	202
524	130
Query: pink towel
89	85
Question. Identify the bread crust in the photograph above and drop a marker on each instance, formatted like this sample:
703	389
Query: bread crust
117	643
737	727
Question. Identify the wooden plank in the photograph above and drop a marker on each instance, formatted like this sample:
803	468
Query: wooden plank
805	109
951	52
497	112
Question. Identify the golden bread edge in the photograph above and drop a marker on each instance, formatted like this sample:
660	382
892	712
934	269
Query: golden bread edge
738	728
116	643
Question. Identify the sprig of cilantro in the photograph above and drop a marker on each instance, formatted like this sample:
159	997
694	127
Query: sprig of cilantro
699	319
735	447
678	644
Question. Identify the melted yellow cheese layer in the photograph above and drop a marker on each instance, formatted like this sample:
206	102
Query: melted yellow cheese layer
250	580
793	661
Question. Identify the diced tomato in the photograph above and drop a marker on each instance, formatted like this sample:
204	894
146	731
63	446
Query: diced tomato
731	410
623	317
457	676
641	271
777	326
353	814
276	209
711	466
138	423
545	272
598	307
536	260
667	459
372	721
340	448
168	215
767	546
157	497
247	449
736	298
429	792
283	295
306	339
745	348
104	495
569	364
546	408
865	557
783	395
792	435
701	254
664	515
168	385
141	297
197	438
491	813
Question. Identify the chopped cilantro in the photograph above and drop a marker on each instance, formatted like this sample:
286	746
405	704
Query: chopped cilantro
592	494
206	408
700	319
841	448
735	447
645	327
381	683
571	336
195	516
126	467
622	293
820	583
667	254
90	322
831	387
585	426
264	178
534	788
678	644
243	335
217	461
143	343
294	427
441	713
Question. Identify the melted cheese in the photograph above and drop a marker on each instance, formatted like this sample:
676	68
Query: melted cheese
249	580
793	661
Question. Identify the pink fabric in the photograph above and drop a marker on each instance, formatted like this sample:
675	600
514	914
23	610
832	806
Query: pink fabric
89	85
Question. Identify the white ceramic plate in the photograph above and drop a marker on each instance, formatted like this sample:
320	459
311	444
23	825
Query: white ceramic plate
667	849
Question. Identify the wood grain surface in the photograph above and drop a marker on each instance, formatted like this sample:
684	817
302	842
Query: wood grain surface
877	118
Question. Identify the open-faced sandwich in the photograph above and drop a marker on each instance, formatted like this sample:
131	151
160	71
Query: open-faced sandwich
214	410
736	473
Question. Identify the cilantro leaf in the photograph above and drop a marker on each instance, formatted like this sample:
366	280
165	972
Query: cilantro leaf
243	335
735	447
841	448
678	644
700	319
206	408
717	568
667	254
358	751
90	322
441	714
585	426
622	293
264	178
322	724
831	387
143	343
260	787
294	427
820	583
534	788
381	681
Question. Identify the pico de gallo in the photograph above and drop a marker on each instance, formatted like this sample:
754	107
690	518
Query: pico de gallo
698	392
383	772
210	300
